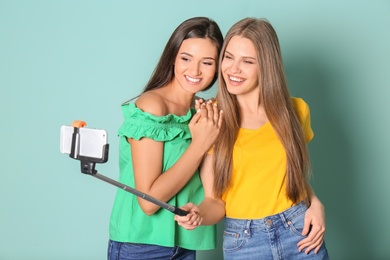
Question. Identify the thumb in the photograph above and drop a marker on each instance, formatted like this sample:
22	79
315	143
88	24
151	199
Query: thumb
306	227
195	118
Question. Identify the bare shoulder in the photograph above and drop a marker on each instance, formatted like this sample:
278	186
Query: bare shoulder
152	102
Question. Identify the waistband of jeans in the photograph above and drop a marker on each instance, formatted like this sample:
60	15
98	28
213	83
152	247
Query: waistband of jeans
264	222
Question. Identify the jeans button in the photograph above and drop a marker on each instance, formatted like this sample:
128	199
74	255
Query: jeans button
269	222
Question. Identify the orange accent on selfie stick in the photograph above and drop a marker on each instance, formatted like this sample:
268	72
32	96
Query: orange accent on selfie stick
78	123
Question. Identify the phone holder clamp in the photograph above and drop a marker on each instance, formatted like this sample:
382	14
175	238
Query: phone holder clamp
87	163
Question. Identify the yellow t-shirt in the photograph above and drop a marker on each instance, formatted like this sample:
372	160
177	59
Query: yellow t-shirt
258	184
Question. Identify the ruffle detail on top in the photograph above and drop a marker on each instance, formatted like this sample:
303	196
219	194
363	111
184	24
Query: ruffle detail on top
138	124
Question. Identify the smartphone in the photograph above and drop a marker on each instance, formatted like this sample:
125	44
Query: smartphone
92	141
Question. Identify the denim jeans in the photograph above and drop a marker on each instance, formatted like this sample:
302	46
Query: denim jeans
273	237
131	251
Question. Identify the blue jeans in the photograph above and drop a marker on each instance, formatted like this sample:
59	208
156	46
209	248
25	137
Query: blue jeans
273	237
131	251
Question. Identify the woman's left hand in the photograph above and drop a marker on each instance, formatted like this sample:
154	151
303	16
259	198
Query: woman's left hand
200	101
314	227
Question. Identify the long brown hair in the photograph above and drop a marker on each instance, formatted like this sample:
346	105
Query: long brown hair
196	27
278	106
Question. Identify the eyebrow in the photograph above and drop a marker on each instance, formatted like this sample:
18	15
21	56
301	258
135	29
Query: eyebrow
186	53
245	57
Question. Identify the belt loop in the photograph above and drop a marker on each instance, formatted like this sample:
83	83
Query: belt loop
247	230
284	220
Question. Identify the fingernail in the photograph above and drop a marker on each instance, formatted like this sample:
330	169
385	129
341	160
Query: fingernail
197	111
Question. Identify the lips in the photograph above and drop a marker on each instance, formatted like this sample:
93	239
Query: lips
236	79
192	80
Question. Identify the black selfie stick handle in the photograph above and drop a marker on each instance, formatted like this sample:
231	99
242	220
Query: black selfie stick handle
142	195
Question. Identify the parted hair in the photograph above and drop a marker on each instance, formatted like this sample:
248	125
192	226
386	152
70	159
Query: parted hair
276	100
196	27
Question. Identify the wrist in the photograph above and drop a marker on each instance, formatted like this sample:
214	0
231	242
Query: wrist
197	149
316	202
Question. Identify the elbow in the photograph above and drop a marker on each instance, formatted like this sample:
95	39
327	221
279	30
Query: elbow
148	208
149	212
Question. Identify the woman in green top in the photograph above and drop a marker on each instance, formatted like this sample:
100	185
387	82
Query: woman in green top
162	142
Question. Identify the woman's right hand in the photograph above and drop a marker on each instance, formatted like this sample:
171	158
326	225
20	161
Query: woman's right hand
192	220
205	125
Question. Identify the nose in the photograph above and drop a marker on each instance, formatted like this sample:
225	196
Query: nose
235	67
195	69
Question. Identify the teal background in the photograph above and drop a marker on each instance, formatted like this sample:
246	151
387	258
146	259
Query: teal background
67	60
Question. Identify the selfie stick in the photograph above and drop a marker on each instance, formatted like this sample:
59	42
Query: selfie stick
88	167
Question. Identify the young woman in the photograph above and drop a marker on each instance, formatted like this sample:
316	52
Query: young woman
257	173
162	142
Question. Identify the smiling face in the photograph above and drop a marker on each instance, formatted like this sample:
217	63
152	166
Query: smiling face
239	67
195	64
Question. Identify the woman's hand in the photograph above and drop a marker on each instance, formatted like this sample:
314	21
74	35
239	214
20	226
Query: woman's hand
192	220
198	102
314	227
205	124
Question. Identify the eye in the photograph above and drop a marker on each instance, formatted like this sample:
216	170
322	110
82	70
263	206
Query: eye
248	62
208	63
228	57
185	59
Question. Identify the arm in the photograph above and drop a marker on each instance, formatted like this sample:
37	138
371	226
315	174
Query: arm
314	225
212	209
147	157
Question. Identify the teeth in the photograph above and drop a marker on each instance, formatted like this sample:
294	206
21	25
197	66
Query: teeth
192	79
236	79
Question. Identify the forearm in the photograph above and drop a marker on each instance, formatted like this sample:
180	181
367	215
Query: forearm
176	177
314	200
212	211
169	183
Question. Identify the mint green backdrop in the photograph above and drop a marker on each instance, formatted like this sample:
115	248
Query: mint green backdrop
67	60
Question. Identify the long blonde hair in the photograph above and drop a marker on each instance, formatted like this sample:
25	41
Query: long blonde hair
278	106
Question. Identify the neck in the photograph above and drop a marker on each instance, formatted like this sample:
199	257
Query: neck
176	100
250	105
178	96
252	113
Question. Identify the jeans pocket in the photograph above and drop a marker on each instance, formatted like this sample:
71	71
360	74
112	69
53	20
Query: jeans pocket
232	241
296	224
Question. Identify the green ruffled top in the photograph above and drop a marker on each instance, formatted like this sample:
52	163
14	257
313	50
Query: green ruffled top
128	222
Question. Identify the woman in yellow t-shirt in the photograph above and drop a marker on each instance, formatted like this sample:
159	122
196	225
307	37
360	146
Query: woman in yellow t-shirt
257	174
